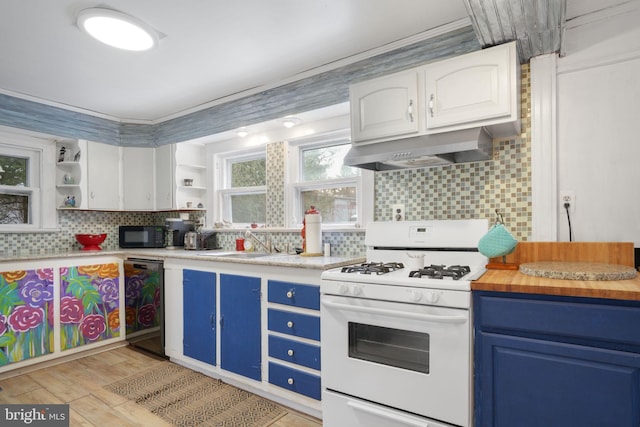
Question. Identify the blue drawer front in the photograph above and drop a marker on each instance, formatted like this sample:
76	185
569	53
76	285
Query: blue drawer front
560	319
299	325
294	380
294	294
301	353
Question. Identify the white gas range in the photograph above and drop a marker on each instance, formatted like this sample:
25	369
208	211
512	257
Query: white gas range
396	331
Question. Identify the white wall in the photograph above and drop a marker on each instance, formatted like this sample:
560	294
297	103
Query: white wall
598	158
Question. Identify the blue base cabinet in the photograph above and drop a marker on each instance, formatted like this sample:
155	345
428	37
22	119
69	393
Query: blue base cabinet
240	325
199	308
556	361
294	337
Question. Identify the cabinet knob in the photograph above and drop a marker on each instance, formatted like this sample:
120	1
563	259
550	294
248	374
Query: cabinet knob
289	294
290	381
290	324
290	352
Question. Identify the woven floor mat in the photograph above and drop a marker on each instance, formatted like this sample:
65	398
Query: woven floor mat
184	397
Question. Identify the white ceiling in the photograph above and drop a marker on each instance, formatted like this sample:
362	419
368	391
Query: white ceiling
211	49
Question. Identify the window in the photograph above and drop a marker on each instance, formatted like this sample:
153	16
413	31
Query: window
26	198
323	181
244	188
15	199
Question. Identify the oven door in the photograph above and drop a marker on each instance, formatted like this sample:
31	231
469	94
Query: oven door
411	357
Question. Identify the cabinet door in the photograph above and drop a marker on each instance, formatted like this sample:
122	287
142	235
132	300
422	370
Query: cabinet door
471	90
165	177
528	382
103	176
199	308
385	107
240	326
27	327
138	177
89	304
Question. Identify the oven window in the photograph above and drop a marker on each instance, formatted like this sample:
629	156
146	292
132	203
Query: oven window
393	347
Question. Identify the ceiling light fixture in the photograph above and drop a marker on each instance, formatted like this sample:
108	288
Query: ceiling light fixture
291	121
117	29
242	132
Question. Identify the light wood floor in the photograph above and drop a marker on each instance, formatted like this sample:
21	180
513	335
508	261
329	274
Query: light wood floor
79	383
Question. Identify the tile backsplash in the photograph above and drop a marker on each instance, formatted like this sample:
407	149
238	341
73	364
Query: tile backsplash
469	190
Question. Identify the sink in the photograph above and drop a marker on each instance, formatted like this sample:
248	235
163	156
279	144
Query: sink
241	255
246	255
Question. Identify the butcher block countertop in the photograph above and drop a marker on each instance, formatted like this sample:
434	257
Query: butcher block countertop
569	253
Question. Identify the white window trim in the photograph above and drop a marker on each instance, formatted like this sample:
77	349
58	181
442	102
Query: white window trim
43	212
364	183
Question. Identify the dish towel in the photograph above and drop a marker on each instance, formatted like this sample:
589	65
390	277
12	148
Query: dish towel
498	241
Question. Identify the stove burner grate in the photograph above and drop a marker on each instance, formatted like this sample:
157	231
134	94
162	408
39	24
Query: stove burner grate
432	271
373	267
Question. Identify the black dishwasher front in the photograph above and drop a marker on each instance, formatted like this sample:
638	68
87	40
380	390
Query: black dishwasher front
144	301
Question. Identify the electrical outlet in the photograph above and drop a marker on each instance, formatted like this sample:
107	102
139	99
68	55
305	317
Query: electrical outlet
398	212
567	196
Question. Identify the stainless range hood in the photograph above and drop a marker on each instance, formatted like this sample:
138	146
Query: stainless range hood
460	146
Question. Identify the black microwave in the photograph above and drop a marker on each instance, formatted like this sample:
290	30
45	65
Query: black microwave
141	236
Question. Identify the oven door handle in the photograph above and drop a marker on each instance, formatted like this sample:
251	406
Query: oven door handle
394	313
379	412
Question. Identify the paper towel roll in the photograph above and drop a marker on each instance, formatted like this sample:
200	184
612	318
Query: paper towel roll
313	231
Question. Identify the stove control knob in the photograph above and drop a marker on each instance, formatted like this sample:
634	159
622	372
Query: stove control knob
357	290
415	296
344	289
432	297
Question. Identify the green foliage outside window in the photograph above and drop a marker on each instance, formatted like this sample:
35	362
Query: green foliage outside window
14	208
13	170
336	204
249	208
251	173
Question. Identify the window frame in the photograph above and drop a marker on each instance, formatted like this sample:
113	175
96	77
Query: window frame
294	211
224	191
40	151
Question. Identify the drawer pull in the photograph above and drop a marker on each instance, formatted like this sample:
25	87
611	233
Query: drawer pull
289	324
290	381
290	352
290	294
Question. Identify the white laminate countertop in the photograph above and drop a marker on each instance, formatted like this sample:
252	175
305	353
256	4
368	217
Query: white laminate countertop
282	260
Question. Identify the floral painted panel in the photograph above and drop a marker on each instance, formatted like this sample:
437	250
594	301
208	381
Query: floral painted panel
142	298
89	304
26	314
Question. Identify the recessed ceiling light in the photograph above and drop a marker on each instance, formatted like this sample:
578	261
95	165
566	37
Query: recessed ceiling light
242	132
291	121
117	29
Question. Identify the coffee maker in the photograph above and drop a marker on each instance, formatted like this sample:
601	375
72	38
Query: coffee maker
176	229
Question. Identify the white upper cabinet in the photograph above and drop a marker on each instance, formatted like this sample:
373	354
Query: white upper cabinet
386	107
165	176
138	178
476	89
103	176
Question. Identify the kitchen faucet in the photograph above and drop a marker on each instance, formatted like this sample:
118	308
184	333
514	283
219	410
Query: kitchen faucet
268	247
